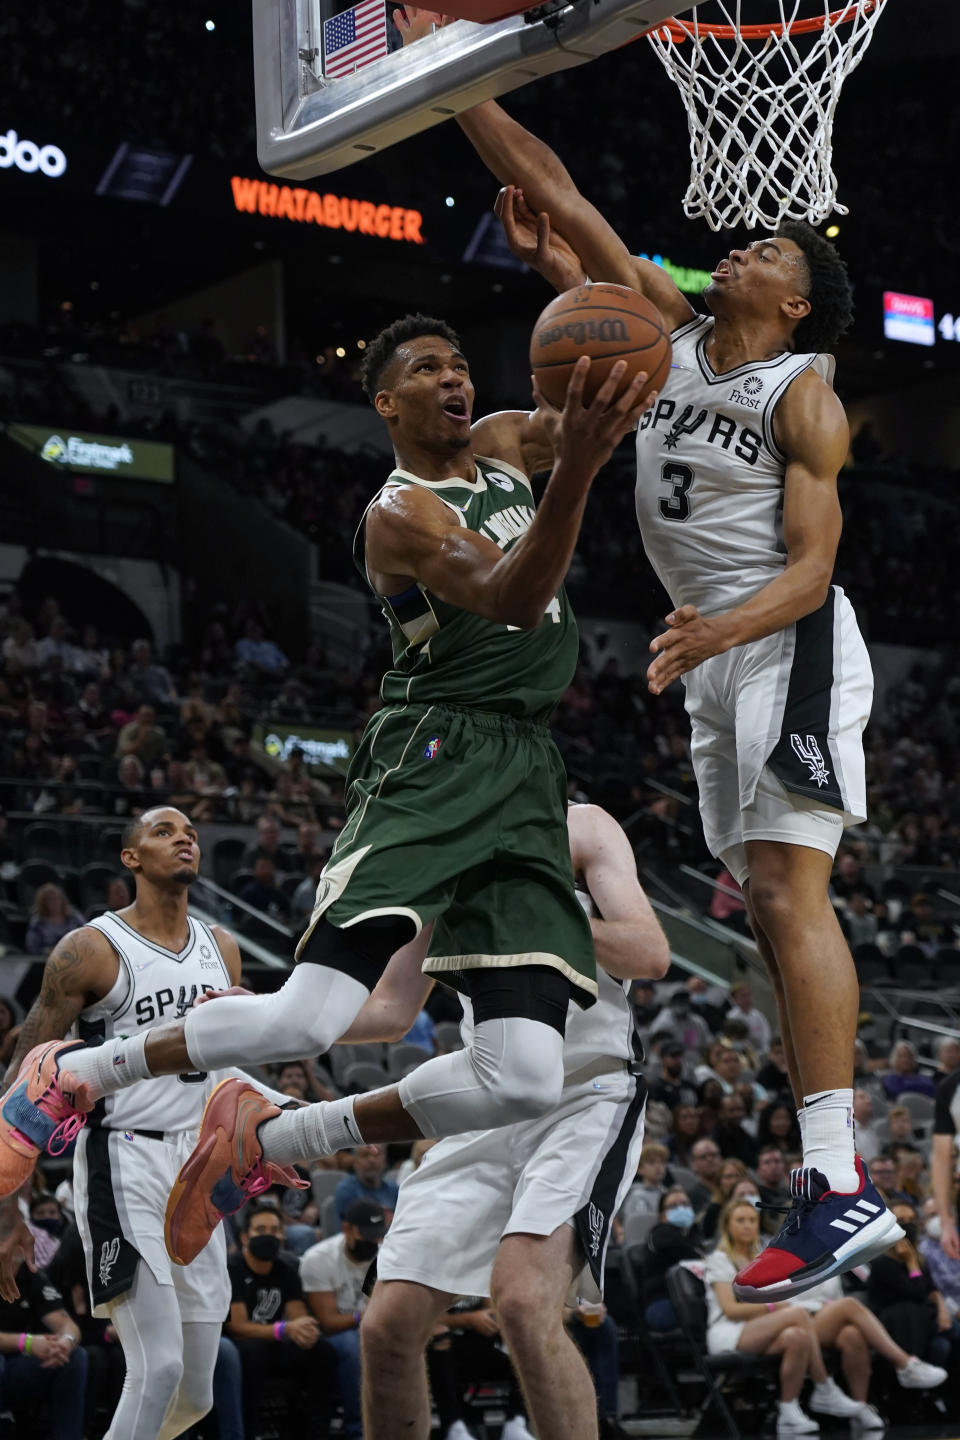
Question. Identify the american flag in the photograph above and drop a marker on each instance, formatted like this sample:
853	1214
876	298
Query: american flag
354	38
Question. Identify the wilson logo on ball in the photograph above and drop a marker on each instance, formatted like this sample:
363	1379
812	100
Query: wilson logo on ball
580	331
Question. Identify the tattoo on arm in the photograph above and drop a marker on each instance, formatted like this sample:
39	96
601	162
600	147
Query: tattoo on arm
61	997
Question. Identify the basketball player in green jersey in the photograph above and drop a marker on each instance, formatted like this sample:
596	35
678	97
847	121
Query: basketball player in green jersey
456	798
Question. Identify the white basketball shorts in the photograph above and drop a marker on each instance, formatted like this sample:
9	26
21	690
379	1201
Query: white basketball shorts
777	735
572	1166
121	1181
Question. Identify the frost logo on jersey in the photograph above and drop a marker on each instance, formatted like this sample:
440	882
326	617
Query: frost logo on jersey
749	395
503	482
752	385
595	1223
268	1303
809	752
109	1255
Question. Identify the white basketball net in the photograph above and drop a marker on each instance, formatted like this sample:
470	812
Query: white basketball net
760	102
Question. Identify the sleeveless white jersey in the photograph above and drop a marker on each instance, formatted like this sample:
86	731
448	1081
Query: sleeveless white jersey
154	985
710	474
605	1032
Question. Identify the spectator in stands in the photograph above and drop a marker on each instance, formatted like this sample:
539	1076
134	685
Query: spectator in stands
732	1172
904	1073
332	1274
304	897
858	921
679	1022
899	1125
728	1064
788	1331
726	903
646	1007
948	1056
263	893
867	1143
47	1223
684	1134
56	643
883	1173
143	737
207	780
592	1328
367	1183
729	1132
670	1241
944	1269
743	1008
773	1185
423	1032
267	844
674	1085
308	847
466	1344
150	678
52	916
912	1178
904	1296
777	1124
41	1359
643	1197
273	1332
259	653
118	893
92	658
848	877
105	1367
133	792
20	646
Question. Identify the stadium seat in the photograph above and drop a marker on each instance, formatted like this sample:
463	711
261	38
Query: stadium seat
946	969
403	1058
637	1227
94	881
685	1179
921	1107
913	969
340	1057
289	883
663	1348
32	875
363	1075
448	1036
731	1368
329	1223
44	842
323	1184
110	843
227	856
873	968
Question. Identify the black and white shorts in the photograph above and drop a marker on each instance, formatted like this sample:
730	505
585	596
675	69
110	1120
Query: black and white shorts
777	735
572	1166
121	1181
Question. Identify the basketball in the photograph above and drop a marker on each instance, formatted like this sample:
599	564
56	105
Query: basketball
608	323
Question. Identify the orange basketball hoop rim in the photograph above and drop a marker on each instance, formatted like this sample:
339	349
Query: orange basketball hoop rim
679	30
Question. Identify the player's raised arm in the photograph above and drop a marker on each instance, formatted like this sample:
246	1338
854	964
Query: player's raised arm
519	158
412	536
627	936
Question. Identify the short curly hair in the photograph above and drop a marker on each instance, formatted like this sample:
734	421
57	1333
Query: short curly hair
830	293
384	346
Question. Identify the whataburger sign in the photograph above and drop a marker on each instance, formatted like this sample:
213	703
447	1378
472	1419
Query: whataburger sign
333	212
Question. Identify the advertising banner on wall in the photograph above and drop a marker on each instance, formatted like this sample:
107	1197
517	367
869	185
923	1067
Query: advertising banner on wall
88	454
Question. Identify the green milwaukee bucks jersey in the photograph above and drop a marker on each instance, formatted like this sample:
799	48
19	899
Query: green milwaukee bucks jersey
442	654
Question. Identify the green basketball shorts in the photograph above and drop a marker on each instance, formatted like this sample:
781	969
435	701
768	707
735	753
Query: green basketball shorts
459	816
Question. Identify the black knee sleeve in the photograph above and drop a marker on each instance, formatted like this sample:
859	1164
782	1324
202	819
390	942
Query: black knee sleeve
363	950
528	992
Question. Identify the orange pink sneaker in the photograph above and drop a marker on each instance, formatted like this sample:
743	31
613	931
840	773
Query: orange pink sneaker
44	1109
225	1170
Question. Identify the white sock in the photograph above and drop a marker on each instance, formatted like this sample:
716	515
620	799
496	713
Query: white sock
111	1066
828	1137
311	1131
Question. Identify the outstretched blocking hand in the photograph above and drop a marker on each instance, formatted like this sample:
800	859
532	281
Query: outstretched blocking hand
691	639
534	241
414	24
587	435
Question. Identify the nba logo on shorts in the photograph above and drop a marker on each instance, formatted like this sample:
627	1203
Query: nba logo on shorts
432	747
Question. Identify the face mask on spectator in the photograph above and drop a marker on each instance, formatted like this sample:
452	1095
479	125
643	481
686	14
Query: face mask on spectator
53	1225
362	1249
264	1247
681	1216
934	1227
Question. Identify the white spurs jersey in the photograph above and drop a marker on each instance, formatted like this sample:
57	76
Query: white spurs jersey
710	473
153	985
603	1033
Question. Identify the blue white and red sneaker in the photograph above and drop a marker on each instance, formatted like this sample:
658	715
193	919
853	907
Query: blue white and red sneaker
826	1232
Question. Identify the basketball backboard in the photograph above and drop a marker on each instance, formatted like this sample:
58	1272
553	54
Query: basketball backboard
311	125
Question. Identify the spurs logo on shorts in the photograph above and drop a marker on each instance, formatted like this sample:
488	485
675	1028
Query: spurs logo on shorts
595	1219
109	1255
809	752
